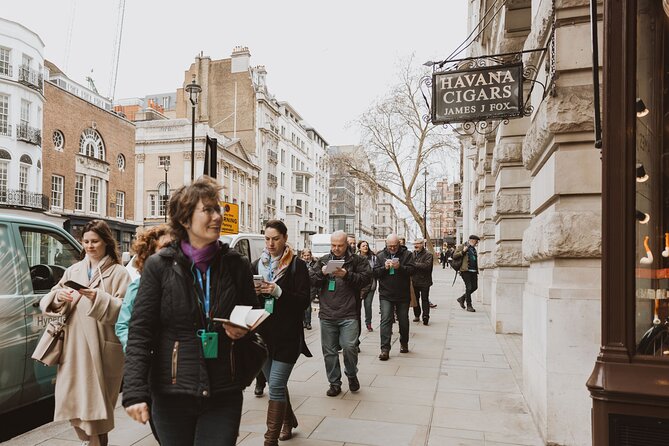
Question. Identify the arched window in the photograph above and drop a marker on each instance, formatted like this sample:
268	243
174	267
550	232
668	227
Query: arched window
5	155
91	144
58	140
26	160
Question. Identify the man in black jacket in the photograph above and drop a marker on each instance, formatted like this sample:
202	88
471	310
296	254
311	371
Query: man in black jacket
339	315
422	280
394	269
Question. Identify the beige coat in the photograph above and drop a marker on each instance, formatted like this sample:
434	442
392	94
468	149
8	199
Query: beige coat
89	376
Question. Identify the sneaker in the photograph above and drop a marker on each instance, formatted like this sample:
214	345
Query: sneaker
308	326
416	319
471	309
404	348
353	384
334	390
384	355
461	301
369	327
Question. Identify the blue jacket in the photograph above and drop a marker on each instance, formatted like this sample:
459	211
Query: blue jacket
123	321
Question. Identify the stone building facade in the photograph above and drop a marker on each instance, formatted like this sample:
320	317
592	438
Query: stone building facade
443	211
532	192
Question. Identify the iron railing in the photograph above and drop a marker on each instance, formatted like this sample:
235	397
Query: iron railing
271	179
30	77
29	134
294	210
22	198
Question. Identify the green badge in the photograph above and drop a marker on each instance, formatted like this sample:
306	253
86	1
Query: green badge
269	305
392	271
209	341
331	285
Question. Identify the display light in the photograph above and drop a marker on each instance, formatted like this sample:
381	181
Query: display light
642	217
641	109
641	175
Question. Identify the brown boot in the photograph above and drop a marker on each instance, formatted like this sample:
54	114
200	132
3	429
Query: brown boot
289	421
275	414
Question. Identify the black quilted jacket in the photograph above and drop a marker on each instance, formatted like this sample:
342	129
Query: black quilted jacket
164	354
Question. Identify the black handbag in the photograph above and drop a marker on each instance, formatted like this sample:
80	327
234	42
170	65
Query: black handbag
247	356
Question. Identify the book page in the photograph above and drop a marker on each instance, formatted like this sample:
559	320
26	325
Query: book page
239	315
333	265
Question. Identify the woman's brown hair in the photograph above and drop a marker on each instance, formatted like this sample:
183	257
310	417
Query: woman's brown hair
102	230
184	200
147	243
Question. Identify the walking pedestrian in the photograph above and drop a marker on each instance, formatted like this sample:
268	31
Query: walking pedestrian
313	290
367	293
285	289
339	314
194	396
443	257
89	379
393	271
469	271
422	280
352	246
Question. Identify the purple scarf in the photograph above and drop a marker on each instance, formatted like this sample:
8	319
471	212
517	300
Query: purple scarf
201	257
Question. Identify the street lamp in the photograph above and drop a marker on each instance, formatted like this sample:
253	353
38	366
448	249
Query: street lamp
166	196
193	90
359	216
425	205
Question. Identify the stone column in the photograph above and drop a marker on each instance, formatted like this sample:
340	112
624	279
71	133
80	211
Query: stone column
486	226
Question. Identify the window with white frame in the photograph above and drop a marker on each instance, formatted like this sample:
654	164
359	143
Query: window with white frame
25	112
57	191
226	171
27	60
5	61
248	214
120	204
283	179
153	205
234	175
90	144
23	177
242	217
79	193
3	179
94	196
163	160
299	183
4	115
58	140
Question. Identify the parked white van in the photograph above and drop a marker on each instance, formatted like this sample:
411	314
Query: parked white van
249	245
320	245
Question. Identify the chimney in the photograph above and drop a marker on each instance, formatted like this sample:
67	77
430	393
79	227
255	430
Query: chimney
262	77
241	59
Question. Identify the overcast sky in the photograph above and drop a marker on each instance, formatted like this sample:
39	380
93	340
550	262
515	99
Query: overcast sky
330	60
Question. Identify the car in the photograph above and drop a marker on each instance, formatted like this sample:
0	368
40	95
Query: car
320	245
33	257
249	245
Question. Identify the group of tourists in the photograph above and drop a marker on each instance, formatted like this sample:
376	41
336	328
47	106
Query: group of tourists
186	364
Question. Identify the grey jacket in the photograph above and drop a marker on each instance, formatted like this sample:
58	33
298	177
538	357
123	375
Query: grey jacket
424	262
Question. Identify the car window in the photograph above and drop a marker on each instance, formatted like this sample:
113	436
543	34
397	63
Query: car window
8	258
49	254
243	248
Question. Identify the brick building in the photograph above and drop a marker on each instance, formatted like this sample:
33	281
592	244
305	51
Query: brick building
89	158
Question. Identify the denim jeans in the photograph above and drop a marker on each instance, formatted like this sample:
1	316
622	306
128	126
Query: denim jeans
387	309
184	419
423	298
277	374
471	280
368	306
344	334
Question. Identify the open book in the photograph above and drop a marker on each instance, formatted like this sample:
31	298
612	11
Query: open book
244	316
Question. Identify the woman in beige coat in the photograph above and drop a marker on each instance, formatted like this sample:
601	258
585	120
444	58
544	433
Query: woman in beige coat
89	375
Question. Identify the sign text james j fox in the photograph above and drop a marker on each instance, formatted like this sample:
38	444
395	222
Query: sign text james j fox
477	94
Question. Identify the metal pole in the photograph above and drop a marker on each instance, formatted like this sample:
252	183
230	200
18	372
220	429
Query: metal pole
425	206
192	147
165	196
359	216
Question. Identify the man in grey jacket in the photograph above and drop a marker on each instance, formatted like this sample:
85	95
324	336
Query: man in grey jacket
422	280
339	315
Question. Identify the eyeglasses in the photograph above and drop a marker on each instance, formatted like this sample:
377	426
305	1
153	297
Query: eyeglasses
211	210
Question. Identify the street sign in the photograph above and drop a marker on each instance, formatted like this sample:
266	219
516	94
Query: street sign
478	94
230	223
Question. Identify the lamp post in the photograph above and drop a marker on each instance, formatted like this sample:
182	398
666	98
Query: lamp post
166	196
359	215
193	90
425	205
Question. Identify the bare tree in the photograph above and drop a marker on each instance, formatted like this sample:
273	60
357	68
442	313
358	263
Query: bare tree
400	141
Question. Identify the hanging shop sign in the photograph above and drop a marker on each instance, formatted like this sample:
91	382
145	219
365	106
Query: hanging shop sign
477	94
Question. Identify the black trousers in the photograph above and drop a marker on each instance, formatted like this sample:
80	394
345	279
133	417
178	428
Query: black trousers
471	281
423	300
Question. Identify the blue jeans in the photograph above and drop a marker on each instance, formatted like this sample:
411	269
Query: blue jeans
277	374
344	334
387	309
184	419
369	298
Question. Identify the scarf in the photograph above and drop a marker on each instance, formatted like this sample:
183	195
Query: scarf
273	268
201	257
96	274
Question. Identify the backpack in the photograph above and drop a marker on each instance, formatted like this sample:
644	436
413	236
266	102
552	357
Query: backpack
456	264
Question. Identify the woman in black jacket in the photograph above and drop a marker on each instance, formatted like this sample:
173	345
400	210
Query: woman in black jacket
192	394
285	289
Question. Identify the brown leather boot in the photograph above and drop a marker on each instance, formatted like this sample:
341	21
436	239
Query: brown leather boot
289	421
275	413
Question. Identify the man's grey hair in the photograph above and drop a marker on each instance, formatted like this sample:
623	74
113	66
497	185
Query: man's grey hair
338	235
392	238
419	240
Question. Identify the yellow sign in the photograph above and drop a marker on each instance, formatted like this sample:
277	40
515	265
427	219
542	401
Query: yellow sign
230	223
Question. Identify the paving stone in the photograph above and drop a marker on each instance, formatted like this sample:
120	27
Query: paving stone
394	413
373	433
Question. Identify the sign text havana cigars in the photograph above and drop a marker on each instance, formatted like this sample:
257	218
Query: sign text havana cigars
478	94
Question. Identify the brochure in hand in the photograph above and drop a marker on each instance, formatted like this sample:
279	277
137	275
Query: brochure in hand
332	266
244	316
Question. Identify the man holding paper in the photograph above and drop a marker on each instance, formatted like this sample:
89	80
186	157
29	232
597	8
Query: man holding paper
340	276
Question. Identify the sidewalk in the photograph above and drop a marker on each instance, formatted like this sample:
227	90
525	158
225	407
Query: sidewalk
458	386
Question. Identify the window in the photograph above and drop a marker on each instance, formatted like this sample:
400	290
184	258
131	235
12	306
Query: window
164	197
226	171
23	178
120	204
166	102
4	115
5	62
58	140
299	183
283	179
234	175
153	202
79	193
163	160
226	199
281	202
94	196
57	191
120	162
242	217
25	112
234	201
283	157
248	214
44	247
90	144
242	179
27	61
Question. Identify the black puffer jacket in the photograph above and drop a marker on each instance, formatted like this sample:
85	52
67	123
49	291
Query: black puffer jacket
395	287
162	337
282	331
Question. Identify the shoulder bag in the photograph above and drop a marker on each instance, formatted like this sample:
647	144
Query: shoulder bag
50	346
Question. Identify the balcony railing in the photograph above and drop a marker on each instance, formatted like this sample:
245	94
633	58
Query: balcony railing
5	129
271	179
294	210
30	77
21	198
29	134
272	157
